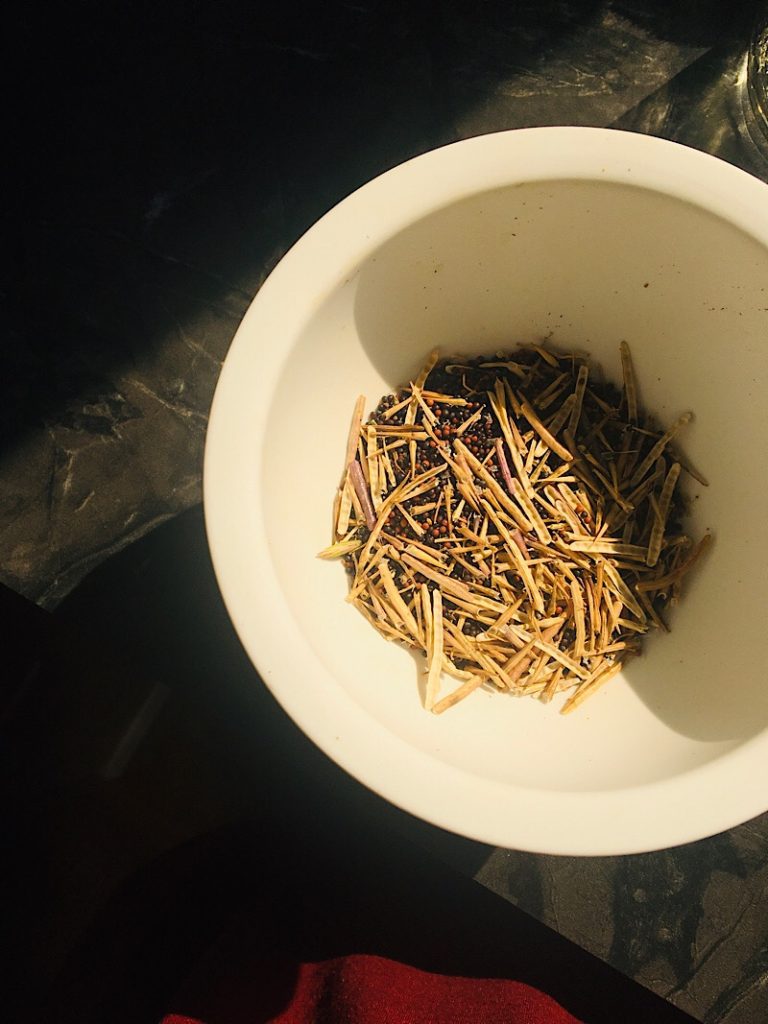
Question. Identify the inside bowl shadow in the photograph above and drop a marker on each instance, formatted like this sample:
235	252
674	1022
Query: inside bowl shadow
709	708
454	291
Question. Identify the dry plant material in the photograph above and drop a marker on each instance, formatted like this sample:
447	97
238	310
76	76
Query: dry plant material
516	518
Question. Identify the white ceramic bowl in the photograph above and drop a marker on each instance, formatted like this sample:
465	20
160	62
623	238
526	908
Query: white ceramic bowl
586	236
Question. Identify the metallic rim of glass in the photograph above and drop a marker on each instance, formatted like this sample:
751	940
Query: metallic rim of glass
757	85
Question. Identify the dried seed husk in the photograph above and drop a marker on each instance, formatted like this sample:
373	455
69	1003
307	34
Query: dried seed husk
354	433
339	549
600	678
467	687
657	533
435	667
519	536
630	387
659	447
578	398
544	434
677	574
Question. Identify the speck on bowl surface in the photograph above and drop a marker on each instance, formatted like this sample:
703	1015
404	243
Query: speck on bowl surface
586	237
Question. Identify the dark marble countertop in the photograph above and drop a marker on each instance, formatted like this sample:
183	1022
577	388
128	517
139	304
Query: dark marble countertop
165	164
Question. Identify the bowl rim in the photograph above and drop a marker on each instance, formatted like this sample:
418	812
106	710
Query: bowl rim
699	802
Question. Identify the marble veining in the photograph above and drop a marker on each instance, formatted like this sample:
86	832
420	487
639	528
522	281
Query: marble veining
689	923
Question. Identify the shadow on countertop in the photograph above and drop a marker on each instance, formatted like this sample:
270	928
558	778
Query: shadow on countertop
166	159
145	726
156	795
168	156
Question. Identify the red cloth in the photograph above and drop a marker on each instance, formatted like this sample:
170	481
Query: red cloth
362	989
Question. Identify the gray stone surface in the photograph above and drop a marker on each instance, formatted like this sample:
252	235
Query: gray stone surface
689	923
151	219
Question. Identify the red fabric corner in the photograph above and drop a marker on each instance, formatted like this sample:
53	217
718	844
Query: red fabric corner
363	989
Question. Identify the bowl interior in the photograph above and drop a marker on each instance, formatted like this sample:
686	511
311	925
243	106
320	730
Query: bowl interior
584	263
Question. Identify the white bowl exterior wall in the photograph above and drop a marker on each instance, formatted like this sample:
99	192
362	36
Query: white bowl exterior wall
587	238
